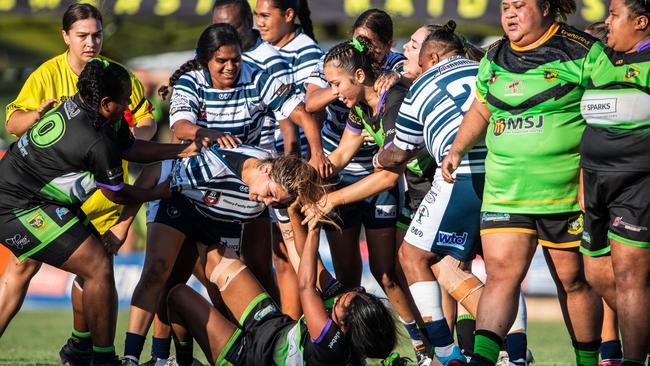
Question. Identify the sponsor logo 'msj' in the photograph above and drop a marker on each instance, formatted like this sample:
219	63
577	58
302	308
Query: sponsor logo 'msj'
519	125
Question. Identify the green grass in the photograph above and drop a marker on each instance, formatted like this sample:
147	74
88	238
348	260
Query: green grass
35	337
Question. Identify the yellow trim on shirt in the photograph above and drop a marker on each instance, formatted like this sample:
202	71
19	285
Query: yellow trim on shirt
549	33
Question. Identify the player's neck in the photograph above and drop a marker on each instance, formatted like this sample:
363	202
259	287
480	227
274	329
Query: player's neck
75	64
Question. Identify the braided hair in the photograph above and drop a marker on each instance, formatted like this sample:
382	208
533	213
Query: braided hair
354	55
559	9
448	40
637	7
101	78
301	8
212	38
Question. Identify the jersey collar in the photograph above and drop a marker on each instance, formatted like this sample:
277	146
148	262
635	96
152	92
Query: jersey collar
549	33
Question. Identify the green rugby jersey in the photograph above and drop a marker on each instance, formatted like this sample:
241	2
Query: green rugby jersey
534	132
616	106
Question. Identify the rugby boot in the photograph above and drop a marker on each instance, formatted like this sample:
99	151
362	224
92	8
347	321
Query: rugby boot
114	362
422	358
74	354
456	358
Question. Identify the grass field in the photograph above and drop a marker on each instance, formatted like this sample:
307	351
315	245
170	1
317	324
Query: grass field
35	337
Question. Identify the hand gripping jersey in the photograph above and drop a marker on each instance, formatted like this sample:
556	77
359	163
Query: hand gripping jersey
296	347
382	126
239	111
616	106
62	159
534	132
267	58
212	181
337	113
55	79
302	55
433	109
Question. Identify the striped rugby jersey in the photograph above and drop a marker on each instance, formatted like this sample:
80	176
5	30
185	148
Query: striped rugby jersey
212	181
337	115
267	58
434	108
302	54
239	111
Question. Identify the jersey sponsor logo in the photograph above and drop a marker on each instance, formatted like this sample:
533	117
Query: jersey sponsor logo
493	77
515	88
61	212
550	75
632	72
243	188
264	312
423	212
211	197
48	130
431	195
18	241
202	114
518	125
618	222
576	37
452	239
37	221
494	217
232	243
586	237
599	106
224	96
284	89
71	109
575	225
22	145
173	212
114	172
385	211
179	103
354	117
334	340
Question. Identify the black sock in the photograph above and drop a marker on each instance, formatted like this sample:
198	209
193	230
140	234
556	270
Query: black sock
465	327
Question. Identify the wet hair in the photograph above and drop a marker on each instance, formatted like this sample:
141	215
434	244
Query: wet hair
598	30
102	78
377	21
76	12
448	40
637	7
212	38
349	57
559	9
301	8
296	177
245	12
370	329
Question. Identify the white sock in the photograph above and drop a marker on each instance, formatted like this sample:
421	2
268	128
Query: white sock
426	295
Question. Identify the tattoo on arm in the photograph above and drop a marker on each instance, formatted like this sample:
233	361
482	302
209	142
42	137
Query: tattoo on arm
287	234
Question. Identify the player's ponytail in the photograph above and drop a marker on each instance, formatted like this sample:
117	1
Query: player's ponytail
559	10
353	55
101	78
301	9
446	40
212	38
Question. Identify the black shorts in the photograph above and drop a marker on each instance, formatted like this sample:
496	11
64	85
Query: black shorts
48	233
416	188
178	212
259	327
556	231
618	208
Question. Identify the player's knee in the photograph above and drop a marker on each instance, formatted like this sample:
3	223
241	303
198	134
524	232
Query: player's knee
100	269
176	294
156	273
25	270
572	282
384	274
628	277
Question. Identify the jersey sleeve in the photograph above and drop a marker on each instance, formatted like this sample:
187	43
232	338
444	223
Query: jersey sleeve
279	98
483	78
140	106
317	76
184	103
105	163
354	123
328	347
409	131
31	95
305	64
389	116
596	50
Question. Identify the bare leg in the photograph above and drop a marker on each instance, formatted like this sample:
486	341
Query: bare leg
256	252
13	287
284	272
346	257
600	275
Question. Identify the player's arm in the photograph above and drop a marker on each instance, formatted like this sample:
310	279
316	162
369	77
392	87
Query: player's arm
311	127
20	121
145	129
142	151
350	143
318	97
392	157
188	131
290	137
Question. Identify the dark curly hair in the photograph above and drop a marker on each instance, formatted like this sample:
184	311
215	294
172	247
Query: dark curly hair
212	38
559	9
448	40
637	7
347	56
102	78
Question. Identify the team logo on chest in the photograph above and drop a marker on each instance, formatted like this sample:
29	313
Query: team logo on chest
550	75
211	197
632	72
515	88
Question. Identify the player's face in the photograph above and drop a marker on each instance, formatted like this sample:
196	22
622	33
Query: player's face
379	49
623	28
264	189
344	86
229	14
224	66
522	20
84	39
340	307
273	23
113	108
412	53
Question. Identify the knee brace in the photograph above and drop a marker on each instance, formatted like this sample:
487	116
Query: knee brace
458	283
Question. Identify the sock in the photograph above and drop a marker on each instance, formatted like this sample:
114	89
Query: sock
160	347
426	295
628	362
417	339
103	354
517	345
184	352
84	340
440	336
611	350
487	345
465	326
586	352
133	345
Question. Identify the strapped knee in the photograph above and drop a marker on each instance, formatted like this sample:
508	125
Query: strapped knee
226	271
458	283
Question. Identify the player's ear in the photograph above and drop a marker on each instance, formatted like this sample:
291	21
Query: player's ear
104	106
